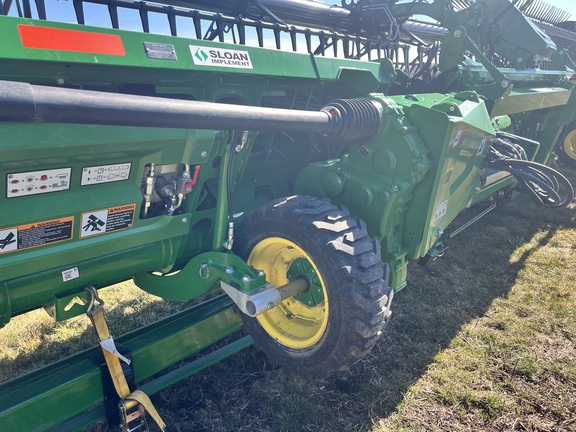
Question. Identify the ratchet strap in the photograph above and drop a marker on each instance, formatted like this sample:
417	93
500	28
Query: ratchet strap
129	400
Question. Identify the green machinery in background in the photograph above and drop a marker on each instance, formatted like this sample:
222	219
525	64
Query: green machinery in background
298	155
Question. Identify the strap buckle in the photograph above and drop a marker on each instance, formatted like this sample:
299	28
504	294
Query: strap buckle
132	416
132	406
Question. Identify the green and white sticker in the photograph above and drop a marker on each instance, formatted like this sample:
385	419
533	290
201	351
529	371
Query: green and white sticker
220	57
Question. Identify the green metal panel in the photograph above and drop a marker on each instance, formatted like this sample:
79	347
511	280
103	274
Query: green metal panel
464	128
46	66
530	99
411	180
144	244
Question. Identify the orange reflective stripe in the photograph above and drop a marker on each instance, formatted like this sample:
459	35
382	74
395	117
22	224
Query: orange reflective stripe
70	40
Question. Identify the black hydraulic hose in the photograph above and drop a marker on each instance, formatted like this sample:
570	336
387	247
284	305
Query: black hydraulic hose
23	102
540	188
349	120
233	144
546	186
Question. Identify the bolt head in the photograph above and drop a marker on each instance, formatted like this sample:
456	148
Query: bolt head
246	278
204	154
229	270
457	33
184	220
270	305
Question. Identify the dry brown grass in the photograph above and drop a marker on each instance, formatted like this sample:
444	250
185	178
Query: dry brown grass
481	340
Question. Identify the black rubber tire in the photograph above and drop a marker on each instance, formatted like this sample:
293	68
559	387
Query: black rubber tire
567	158
355	280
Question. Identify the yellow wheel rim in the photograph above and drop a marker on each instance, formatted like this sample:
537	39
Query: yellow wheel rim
569	144
300	321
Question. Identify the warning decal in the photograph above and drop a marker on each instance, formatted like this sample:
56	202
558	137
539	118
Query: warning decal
36	234
107	220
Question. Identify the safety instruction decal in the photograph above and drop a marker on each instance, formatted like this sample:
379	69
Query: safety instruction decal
441	211
37	182
107	220
36	234
460	137
105	174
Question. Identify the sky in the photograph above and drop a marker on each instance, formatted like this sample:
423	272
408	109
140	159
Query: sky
567	5
62	10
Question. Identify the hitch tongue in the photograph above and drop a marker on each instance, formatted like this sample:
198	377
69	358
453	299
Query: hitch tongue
260	300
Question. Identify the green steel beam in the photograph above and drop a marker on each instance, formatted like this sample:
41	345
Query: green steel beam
530	99
47	397
42	66
89	417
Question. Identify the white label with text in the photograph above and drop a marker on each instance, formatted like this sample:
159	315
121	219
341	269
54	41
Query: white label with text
220	57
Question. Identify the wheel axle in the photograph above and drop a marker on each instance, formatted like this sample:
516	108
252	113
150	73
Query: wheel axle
260	300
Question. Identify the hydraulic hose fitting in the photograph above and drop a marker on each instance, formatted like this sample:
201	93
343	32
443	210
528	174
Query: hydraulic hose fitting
149	189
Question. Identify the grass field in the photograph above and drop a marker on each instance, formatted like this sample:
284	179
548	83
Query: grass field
483	339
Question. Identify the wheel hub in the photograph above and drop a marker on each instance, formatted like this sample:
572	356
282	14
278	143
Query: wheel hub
300	321
569	144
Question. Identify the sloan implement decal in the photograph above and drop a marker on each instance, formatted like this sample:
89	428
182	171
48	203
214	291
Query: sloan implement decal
49	38
220	57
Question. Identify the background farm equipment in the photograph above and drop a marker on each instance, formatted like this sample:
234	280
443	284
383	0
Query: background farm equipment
302	178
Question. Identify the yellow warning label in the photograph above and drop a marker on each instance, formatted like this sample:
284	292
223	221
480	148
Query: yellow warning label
36	234
128	207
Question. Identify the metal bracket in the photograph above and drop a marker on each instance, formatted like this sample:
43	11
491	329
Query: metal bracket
63	308
255	302
453	52
200	275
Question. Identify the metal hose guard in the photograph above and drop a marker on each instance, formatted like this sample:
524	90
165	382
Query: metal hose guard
353	119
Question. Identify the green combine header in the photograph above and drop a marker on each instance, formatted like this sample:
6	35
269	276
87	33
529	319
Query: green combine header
293	157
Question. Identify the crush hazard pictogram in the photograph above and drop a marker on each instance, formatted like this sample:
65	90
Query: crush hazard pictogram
94	224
